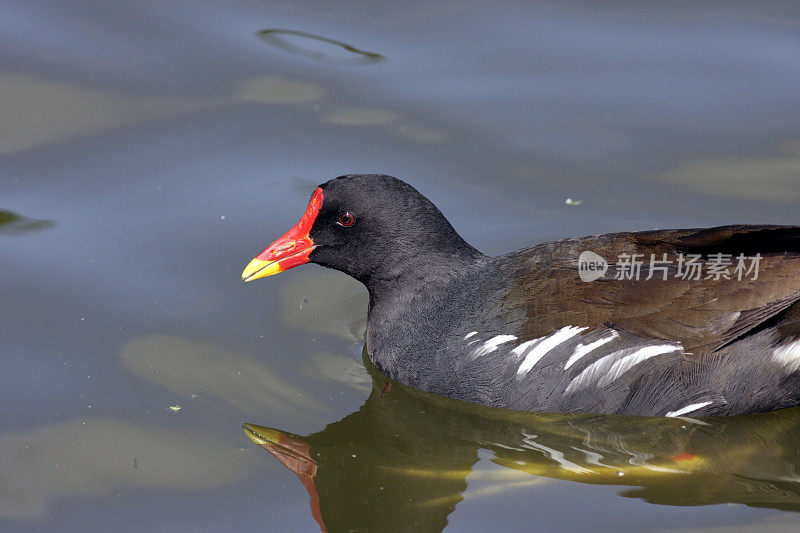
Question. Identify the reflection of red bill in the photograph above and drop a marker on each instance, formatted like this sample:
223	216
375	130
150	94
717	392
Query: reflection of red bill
291	250
295	454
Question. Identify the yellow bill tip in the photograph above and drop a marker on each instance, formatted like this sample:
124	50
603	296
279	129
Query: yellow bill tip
262	435
260	269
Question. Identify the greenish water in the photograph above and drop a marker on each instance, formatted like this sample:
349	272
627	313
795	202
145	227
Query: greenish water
149	150
407	458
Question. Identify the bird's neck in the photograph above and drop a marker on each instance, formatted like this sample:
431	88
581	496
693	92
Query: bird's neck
404	279
416	305
413	288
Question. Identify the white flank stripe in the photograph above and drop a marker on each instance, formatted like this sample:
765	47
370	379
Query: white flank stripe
629	361
788	356
547	344
522	348
470	334
492	344
583	349
689	408
608	368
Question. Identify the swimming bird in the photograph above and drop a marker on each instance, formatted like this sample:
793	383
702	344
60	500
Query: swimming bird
680	322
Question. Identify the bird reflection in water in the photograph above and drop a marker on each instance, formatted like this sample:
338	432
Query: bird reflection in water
401	461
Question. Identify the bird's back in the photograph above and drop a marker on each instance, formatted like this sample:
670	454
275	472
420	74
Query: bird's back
697	322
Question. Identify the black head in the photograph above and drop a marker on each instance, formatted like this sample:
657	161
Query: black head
375	225
370	226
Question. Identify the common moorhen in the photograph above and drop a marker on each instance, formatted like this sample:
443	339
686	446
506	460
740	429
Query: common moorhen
699	322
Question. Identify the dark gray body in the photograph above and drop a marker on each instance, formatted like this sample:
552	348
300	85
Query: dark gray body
422	336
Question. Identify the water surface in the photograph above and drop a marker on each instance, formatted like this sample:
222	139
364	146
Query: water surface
150	149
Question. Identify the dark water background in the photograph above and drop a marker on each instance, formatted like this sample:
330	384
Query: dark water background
149	149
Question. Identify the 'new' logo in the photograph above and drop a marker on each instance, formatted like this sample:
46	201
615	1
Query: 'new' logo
591	266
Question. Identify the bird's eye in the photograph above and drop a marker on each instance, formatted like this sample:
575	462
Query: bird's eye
346	219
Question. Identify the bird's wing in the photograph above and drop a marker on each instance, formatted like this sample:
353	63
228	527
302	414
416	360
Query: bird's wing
703	314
